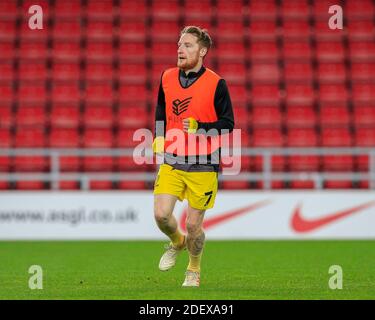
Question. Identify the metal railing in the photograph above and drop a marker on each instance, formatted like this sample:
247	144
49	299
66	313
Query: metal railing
267	175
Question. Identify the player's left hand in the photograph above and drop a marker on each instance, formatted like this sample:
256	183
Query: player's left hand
190	125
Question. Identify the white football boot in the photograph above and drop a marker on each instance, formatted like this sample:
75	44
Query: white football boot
192	279
168	259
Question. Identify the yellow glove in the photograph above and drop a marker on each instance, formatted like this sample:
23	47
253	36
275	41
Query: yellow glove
158	145
193	125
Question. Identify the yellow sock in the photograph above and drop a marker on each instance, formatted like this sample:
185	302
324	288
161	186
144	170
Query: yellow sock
194	263
177	238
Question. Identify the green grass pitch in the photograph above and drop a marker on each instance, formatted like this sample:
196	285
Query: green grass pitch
230	270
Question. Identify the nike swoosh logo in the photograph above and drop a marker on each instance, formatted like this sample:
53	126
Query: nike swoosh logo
300	224
212	221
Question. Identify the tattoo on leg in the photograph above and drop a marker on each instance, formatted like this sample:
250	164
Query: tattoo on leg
195	243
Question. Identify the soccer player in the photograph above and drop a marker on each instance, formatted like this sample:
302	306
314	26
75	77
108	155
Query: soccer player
193	99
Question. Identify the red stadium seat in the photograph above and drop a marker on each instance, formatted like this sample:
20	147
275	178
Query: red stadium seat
27	34
30	138
338	163
98	163
323	33
99	50
99	92
361	29
262	10
197	10
67	9
66	93
365	137
241	116
263	51
97	9
133	73
302	137
99	30
331	72
336	137
33	49
132	93
6	116
231	51
330	51
127	163
300	116
31	163
132	117
66	50
65	116
4	185
296	50
98	116
8	8
333	93
31	116
268	138
364	92
133	9
238	94
165	30
334	116
235	185
298	94
125	138
132	30
32	93
7	49
6	93
332	184
32	70
362	71
6	71
261	30
69	185
363	9
265	94
232	72
99	71
302	184
131	185
296	28
98	138
230	10
232	30
362	51
298	71
264	72
64	138
101	185
295	9
66	71
30	185
162	51
165	9
364	116
67	29
266	116
5	138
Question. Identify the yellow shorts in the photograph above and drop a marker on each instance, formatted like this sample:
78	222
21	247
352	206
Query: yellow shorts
199	188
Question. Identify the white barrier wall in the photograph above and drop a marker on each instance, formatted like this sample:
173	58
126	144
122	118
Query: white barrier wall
236	215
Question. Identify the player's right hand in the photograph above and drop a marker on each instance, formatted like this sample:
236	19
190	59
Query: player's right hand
158	145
